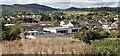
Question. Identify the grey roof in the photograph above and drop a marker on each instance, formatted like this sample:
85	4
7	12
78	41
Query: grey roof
94	23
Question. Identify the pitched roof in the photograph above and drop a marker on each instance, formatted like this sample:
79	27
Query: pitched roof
91	23
37	25
74	22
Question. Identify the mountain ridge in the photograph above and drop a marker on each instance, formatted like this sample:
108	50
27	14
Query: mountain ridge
38	7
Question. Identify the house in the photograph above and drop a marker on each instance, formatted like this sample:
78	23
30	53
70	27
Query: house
71	23
94	25
106	26
114	26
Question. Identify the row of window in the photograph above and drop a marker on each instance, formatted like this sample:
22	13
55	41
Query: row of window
66	31
34	33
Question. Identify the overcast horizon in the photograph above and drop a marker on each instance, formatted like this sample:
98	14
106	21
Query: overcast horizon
67	3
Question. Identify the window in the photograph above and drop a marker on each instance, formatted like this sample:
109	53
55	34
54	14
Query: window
75	30
62	31
36	33
32	29
32	33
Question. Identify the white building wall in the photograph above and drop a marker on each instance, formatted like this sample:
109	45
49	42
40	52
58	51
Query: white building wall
104	26
55	29
51	30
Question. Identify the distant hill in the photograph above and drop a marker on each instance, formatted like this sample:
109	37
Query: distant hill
109	9
27	7
35	8
73	8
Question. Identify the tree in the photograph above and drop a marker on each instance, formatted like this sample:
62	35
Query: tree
87	35
56	17
86	39
45	18
29	20
12	33
92	34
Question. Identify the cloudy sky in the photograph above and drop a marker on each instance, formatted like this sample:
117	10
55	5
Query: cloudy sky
63	4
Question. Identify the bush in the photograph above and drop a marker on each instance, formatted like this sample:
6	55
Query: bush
86	39
79	35
104	34
11	34
114	34
106	46
86	35
93	34
83	27
118	34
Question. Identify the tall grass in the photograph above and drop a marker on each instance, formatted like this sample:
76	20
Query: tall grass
45	46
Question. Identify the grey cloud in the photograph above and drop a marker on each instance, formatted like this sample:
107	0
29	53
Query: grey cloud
107	4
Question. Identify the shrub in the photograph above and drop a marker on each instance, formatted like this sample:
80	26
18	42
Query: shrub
86	39
118	34
114	34
106	46
86	35
11	34
79	35
103	34
83	27
92	34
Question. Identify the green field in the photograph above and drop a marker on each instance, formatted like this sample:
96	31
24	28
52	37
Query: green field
76	12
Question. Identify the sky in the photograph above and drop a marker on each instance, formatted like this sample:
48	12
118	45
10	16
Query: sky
63	4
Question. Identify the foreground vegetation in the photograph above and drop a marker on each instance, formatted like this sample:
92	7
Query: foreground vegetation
102	42
106	46
89	35
45	46
109	46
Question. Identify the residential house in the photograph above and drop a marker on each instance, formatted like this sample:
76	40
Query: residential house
71	23
106	26
94	25
114	26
